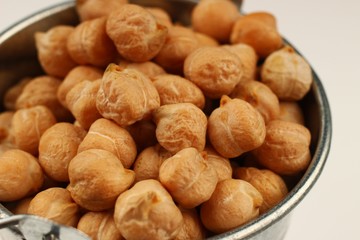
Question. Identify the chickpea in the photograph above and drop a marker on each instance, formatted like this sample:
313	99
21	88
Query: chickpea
188	177
91	9
137	35
13	93
5	125
52	51
81	101
215	18
286	148
99	225
89	43
233	203
20	175
55	152
42	90
176	89
214	70
161	16
287	74
291	111
260	97
271	186
97	178
28	125
191	227
57	205
75	76
107	135
143	133
258	31
147	211
148	68
179	43
235	127
220	164
205	40
126	96
148	162
179	126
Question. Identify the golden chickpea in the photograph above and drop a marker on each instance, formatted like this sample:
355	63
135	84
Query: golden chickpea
13	93
143	133
287	74
191	227
107	135
176	89
205	40
147	211
52	51
20	175
215	18
235	127
260	97
81	101
148	162
99	226
258	33
188	177
233	203
5	125
97	178
126	96
271	186
179	126
148	68
221	165
89	43
161	16
179	43
90	9
292	112
42	91
28	125
57	146
214	70
75	76
137	35
55	204
286	148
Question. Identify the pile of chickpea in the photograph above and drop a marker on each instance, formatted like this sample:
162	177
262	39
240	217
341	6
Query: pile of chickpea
141	128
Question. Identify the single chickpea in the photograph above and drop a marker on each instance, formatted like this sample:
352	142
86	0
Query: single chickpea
271	186
179	126
144	134
188	177
97	178
91	9
52	51
107	135
220	164
28	125
75	76
126	96
214	70
5	125
161	16
148	162
137	35
287	74
20	175
291	111
176	89
148	68
13	93
89	43
205	40
286	148
57	146
81	101
233	203
57	205
260	97
42	91
191	227
147	211
179	43
258	31
215	18
235	127
99	225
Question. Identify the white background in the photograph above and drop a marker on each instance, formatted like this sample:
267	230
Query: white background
327	33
